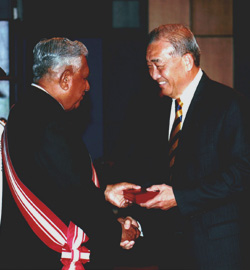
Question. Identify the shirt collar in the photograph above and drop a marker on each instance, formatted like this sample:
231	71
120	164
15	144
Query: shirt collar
188	93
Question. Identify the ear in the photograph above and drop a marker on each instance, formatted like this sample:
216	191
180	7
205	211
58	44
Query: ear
188	61
65	79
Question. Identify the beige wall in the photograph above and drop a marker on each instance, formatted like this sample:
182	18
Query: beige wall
212	23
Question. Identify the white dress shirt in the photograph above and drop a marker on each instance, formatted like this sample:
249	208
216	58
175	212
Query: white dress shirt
186	98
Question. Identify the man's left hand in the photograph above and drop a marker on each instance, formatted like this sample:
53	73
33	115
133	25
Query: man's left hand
164	200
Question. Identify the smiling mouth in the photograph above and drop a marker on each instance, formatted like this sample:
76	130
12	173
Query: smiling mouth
161	83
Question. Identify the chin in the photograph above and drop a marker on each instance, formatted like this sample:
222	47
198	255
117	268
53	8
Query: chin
165	92
77	106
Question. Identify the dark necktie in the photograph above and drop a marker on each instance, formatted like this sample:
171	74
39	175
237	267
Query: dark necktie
175	134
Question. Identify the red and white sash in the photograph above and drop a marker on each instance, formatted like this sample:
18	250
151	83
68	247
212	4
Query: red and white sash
45	224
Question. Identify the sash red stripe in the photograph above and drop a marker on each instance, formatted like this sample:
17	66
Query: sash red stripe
45	224
94	176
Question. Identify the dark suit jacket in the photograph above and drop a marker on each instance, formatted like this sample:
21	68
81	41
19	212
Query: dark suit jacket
51	159
212	172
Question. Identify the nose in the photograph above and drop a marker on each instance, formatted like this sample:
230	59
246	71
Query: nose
154	73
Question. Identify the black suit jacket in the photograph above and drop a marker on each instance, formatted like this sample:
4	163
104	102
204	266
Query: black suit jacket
51	159
212	171
212	165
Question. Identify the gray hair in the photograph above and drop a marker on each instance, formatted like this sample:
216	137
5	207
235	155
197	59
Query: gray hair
55	53
180	37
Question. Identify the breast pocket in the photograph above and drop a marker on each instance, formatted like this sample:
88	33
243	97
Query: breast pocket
222	222
223	230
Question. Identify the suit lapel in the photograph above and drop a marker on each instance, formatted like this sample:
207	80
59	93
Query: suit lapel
194	115
194	111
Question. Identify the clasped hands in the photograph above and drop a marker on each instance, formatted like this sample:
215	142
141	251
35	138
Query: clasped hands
130	232
114	194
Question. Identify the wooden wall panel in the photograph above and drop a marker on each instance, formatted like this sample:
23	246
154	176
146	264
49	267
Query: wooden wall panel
168	11
217	58
212	17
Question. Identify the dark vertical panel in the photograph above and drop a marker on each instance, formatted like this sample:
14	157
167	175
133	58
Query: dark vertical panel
93	136
5	9
124	66
241	47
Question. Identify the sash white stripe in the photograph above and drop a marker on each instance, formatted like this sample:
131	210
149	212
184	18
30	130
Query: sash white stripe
77	240
41	221
79	237
68	255
51	230
34	220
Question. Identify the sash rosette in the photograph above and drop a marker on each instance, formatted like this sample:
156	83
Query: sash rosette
73	254
45	224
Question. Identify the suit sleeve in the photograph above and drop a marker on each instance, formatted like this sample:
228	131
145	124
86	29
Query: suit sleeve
66	159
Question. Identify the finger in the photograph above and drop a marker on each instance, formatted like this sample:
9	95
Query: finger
154	188
133	186
128	247
127	223
123	244
126	185
121	220
131	221
129	203
134	222
130	244
150	204
127	244
124	204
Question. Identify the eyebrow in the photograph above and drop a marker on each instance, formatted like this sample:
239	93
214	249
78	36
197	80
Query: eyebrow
156	60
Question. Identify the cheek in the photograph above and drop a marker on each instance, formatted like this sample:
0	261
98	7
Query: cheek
85	86
79	88
173	75
167	73
151	72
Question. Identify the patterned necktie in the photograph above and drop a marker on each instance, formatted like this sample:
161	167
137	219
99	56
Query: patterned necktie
175	134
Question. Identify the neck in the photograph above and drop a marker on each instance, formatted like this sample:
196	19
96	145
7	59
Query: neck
189	79
193	73
43	88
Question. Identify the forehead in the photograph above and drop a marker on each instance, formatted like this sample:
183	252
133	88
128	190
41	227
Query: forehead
158	51
84	66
